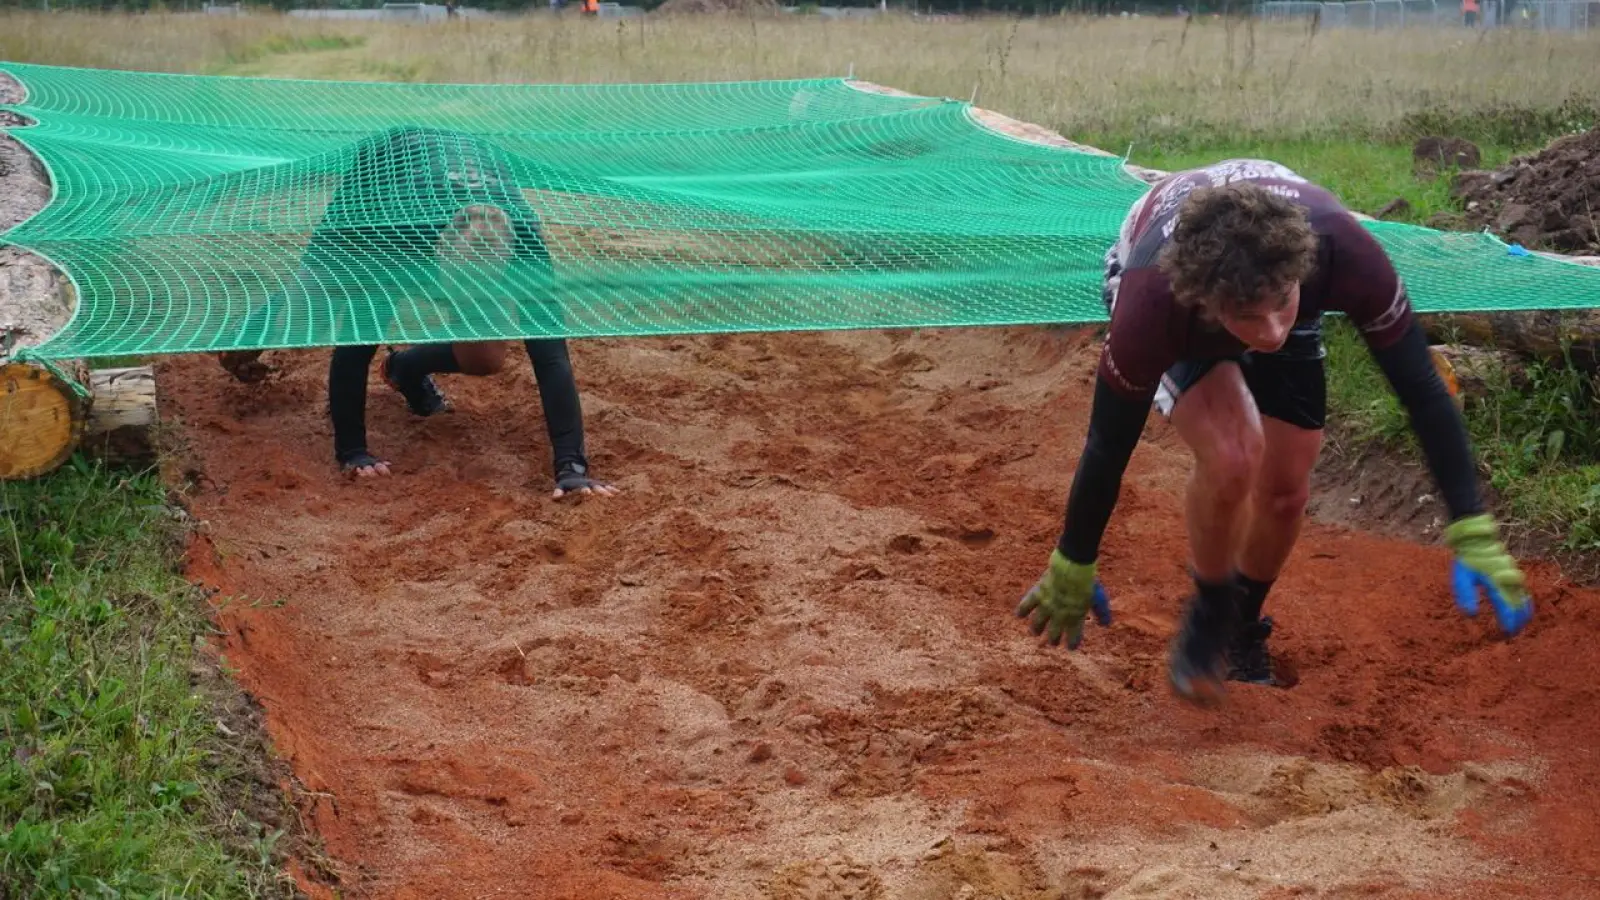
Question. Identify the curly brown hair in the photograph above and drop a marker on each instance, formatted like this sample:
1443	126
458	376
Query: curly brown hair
1235	247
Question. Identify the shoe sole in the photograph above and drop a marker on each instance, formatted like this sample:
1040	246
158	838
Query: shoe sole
1198	690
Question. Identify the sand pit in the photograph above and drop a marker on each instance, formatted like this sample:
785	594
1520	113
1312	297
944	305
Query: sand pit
782	664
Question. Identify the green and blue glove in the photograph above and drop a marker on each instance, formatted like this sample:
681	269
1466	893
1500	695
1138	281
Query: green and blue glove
1482	563
1061	598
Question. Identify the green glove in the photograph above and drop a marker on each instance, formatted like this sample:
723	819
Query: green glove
1061	598
1482	563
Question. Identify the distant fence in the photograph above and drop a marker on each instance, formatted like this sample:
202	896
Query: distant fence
431	12
1542	15
393	12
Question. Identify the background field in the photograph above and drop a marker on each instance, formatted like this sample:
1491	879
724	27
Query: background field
855	744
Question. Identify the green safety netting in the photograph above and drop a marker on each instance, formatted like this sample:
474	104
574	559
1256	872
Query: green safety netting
200	213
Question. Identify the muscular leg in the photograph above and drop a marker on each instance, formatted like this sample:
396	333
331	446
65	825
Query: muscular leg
465	357
1291	392
1217	418
479	357
1278	501
410	371
1277	508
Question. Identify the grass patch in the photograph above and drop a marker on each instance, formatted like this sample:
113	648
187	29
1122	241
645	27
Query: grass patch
1536	434
114	780
1365	175
284	44
1159	81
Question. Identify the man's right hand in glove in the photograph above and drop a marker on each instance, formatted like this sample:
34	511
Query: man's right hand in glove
1061	598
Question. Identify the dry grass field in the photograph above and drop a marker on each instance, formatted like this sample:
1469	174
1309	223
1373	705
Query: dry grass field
1146	78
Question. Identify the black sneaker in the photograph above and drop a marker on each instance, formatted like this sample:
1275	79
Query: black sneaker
423	397
1248	659
1197	658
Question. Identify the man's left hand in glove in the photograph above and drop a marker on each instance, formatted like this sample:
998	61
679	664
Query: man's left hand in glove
1483	563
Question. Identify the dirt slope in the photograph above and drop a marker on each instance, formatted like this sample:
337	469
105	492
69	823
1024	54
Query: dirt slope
783	663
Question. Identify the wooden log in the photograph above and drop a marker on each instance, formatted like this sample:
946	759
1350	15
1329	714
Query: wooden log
1477	372
123	416
44	417
1544	335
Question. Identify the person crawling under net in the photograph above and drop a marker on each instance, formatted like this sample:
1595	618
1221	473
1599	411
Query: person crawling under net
1216	290
428	232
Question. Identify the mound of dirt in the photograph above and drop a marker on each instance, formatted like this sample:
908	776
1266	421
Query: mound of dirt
1432	153
1549	200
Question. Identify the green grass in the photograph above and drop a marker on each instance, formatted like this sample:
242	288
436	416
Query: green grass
113	779
1536	436
284	44
1365	175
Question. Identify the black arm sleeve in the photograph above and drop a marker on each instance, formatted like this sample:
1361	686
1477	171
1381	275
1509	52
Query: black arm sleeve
1435	420
1114	429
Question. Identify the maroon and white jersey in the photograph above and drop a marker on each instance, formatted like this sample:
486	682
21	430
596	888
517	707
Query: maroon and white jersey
1151	331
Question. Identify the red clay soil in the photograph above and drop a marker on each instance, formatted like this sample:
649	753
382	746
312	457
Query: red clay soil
783	663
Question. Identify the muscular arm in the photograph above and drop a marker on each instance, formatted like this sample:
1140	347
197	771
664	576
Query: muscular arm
1114	428
1138	349
1372	294
1435	420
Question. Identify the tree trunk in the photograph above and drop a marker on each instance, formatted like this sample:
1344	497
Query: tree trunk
1477	371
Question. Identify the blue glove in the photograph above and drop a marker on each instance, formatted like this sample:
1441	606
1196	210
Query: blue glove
1482	564
1062	597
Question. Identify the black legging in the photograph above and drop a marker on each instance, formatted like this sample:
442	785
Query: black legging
552	369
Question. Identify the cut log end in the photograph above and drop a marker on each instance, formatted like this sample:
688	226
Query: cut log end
45	418
42	418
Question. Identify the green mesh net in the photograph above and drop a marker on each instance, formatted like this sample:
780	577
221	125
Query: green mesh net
199	213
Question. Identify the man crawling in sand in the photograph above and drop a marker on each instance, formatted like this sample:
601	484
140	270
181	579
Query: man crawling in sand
421	222
1216	289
